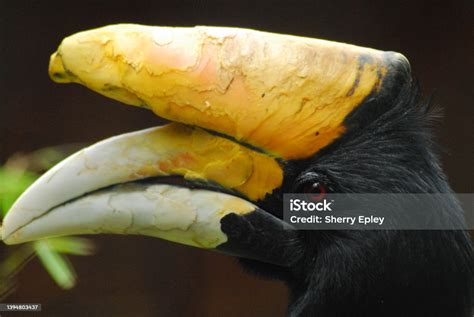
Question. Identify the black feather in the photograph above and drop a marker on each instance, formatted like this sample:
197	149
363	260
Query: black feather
388	148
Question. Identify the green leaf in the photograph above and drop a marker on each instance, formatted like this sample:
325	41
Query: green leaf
12	184
57	265
71	245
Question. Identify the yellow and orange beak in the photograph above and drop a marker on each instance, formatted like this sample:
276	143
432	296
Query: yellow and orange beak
243	101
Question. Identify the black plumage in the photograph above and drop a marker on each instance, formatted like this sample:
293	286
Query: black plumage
388	148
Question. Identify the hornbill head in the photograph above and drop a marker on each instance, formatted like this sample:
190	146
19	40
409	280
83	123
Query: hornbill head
256	115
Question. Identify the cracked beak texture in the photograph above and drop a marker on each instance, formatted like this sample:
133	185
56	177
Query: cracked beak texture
68	200
284	95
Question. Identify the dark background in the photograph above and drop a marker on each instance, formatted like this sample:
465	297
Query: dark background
138	276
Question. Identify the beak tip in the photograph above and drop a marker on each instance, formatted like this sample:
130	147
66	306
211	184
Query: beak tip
56	69
12	237
10	229
6	234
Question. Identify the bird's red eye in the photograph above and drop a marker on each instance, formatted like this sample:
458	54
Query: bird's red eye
317	190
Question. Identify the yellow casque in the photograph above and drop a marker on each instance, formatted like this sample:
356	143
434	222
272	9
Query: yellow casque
284	94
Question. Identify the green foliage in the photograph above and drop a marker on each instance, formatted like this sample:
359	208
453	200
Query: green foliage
12	183
56	264
51	252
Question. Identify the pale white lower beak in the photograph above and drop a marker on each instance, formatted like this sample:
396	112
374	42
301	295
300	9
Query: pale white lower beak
173	213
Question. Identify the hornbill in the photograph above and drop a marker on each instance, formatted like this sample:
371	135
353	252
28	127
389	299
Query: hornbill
256	115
